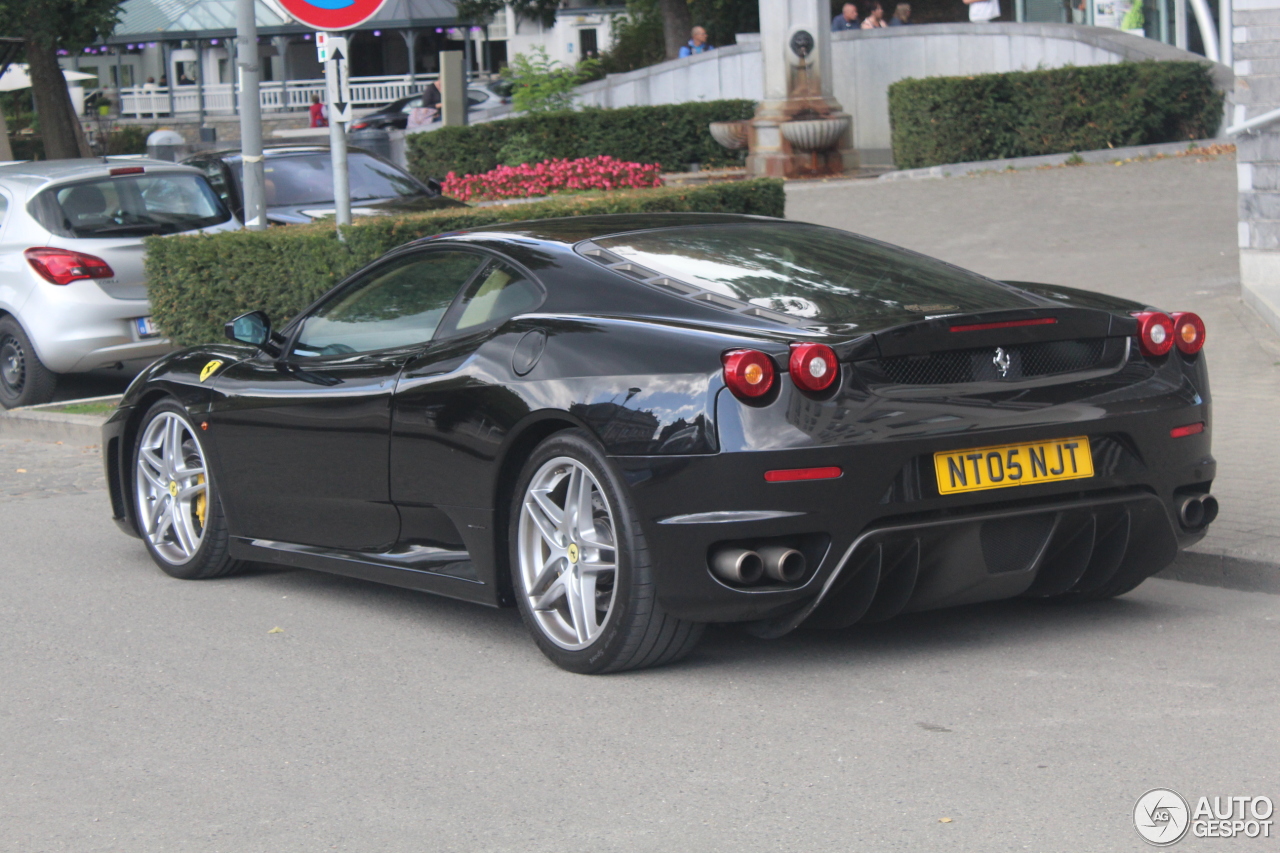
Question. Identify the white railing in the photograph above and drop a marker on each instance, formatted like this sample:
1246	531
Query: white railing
274	96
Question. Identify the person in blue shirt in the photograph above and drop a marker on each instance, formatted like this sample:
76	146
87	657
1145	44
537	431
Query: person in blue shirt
901	15
846	20
697	44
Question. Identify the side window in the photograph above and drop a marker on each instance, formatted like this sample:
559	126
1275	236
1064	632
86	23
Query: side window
217	179
498	293
4	208
397	305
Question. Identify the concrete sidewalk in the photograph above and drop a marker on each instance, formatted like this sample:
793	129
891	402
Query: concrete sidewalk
1163	232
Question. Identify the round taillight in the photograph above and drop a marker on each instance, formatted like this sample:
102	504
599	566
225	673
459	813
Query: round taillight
1155	333
748	373
1188	332
813	367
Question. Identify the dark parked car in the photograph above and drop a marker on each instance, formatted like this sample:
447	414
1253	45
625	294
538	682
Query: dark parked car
299	184
630	426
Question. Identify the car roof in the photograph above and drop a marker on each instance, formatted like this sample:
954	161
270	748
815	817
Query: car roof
574	229
40	172
274	151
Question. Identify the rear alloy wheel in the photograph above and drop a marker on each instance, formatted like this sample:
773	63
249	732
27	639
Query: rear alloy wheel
581	568
179	515
24	380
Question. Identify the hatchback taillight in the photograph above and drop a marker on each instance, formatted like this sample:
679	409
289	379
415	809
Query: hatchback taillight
748	373
813	367
63	266
1155	333
1188	332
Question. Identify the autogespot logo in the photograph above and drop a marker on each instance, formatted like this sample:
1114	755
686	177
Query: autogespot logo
1162	817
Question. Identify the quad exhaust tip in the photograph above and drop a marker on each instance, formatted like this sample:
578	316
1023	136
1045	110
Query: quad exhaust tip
744	567
783	564
1196	511
737	565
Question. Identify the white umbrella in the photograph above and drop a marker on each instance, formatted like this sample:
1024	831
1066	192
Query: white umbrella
16	77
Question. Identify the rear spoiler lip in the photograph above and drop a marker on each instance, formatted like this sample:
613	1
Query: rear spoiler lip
1009	327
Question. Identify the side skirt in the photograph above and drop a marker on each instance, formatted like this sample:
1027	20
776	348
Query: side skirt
447	573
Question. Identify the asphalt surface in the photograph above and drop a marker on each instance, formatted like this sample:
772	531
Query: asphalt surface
141	713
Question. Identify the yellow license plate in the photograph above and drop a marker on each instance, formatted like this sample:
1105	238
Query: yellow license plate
1013	465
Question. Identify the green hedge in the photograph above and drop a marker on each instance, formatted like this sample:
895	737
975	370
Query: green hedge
198	282
1023	113
674	135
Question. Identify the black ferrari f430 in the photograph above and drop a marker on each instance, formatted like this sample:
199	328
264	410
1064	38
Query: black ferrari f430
632	426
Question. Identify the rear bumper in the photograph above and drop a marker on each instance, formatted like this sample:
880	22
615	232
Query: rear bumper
78	327
884	515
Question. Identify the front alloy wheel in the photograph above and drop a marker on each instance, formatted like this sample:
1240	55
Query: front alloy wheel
580	565
178	514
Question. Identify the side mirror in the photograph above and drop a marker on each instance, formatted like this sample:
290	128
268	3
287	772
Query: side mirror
254	329
435	186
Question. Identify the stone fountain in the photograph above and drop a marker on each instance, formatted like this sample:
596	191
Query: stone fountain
799	129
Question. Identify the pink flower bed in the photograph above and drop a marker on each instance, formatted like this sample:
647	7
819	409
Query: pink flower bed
553	176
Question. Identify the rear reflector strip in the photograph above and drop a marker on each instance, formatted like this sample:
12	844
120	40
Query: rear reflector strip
1184	431
1007	324
790	475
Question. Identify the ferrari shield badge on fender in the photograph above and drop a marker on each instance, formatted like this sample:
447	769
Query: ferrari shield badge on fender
210	369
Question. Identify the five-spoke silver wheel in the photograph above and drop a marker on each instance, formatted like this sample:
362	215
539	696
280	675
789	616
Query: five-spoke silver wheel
172	488
567	553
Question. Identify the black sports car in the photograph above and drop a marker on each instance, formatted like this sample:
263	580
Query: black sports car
630	426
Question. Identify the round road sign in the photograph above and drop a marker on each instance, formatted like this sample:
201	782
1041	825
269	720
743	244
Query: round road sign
332	15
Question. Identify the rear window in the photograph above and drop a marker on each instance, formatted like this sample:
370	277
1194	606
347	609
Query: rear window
819	275
308	179
129	205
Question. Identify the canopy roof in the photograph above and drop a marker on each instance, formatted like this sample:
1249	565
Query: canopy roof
167	20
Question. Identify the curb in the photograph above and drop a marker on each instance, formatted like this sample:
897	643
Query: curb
35	423
1106	155
1224	572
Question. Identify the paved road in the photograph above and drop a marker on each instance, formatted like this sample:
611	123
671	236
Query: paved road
140	713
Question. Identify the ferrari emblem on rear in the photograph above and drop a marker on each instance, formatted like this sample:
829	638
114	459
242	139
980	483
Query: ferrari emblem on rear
1001	361
210	369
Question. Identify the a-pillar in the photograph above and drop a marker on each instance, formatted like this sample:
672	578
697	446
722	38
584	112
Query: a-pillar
1257	57
795	44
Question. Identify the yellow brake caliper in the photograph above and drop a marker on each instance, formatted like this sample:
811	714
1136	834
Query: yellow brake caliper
202	502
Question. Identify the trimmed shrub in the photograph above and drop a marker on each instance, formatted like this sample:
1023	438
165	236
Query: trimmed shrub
673	135
1024	113
199	281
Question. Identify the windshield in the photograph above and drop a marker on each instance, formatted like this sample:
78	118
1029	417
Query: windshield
822	275
308	179
130	205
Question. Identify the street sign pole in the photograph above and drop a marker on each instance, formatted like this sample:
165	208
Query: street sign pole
250	116
339	91
329	17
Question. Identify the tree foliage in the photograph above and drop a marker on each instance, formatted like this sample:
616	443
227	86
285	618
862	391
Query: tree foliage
476	11
539	84
48	26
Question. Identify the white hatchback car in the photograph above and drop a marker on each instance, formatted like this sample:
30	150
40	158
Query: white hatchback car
73	293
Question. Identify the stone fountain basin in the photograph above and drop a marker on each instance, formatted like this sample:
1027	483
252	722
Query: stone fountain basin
817	134
730	134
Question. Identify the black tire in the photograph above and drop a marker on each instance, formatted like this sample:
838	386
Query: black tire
24	380
211	559
637	632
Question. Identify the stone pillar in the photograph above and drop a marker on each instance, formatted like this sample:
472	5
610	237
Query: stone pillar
1257	66
795	42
